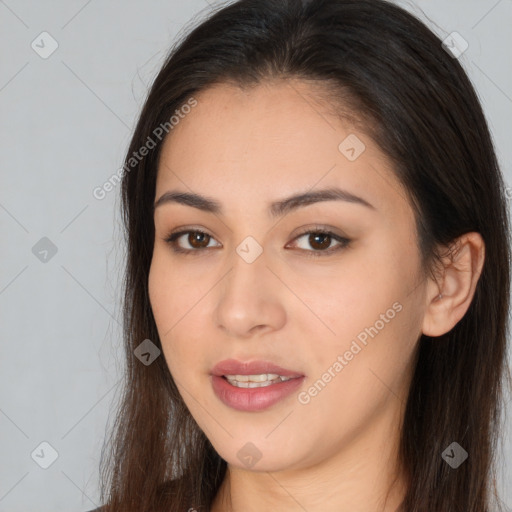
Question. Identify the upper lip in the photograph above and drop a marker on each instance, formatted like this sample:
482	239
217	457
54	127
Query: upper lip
234	367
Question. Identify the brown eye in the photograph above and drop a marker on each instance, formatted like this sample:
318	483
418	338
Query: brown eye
197	239
319	241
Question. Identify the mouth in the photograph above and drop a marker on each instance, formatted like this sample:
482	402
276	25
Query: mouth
253	386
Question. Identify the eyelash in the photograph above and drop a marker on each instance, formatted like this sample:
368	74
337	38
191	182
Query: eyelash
171	239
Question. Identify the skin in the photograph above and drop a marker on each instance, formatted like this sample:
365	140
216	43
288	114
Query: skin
246	149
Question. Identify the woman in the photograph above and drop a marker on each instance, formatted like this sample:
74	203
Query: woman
317	283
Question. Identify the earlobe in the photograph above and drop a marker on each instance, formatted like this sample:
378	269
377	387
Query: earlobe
449	297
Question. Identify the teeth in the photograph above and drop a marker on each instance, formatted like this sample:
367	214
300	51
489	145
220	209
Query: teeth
255	381
253	378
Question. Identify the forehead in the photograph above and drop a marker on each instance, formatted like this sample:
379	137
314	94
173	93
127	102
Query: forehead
269	141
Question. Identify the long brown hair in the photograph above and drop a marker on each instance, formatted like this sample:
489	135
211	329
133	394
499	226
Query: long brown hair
381	64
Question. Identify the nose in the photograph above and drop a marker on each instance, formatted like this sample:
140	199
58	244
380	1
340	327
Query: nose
251	298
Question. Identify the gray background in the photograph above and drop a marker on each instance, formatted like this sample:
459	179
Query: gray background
65	124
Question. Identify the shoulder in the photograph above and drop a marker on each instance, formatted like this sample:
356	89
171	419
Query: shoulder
99	509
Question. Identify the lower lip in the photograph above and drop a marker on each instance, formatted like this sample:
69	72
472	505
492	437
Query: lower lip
253	399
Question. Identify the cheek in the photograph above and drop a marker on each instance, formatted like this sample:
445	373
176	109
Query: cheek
173	298
171	294
355	380
163	300
350	297
372	317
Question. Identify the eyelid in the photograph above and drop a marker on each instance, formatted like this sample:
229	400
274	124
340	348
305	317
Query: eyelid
319	228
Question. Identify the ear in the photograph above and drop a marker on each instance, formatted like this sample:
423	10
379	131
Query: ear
449	297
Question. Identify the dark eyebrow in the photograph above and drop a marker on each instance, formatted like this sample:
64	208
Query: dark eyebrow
276	209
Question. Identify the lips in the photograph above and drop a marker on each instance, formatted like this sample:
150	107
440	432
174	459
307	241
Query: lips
254	399
234	367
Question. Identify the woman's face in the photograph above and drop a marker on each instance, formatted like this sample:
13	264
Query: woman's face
260	285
